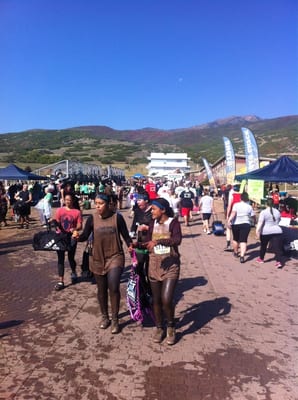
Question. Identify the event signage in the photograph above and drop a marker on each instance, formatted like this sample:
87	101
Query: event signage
209	173
255	190
230	160
251	150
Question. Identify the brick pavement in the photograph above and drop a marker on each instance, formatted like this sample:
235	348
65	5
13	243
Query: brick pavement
237	327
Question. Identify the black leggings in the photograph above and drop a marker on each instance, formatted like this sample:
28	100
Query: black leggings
71	259
109	282
276	245
142	271
163	300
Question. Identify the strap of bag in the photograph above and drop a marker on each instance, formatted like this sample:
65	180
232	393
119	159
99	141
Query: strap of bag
134	259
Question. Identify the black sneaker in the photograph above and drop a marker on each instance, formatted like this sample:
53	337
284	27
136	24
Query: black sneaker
228	248
74	278
59	286
242	260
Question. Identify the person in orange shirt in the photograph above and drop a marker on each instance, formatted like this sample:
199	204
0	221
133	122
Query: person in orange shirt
275	199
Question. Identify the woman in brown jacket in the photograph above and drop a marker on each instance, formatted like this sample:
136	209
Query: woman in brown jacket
107	260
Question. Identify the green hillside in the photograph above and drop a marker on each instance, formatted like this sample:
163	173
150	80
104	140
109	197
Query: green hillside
128	148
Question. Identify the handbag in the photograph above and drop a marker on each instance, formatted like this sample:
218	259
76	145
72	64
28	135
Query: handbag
86	273
137	300
133	292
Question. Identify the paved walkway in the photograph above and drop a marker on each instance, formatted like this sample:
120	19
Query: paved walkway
237	330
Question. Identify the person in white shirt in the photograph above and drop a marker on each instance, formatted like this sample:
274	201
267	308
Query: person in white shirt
268	230
206	206
239	220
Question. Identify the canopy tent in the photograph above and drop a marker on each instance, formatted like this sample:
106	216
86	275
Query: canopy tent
12	172
139	176
284	169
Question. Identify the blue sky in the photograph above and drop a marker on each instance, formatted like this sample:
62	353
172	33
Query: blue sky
130	64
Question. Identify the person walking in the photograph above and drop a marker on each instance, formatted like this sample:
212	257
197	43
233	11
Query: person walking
24	198
239	221
44	207
4	204
206	206
68	220
233	197
186	203
163	238
268	230
107	260
139	227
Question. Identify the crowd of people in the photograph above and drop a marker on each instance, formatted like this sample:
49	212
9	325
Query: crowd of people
157	210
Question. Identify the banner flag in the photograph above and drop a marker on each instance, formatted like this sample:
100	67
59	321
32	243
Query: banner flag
230	160
209	174
251	150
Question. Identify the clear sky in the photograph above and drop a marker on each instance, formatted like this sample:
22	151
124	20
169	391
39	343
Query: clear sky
130	64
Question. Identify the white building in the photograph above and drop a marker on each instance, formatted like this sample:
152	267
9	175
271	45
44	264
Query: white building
165	164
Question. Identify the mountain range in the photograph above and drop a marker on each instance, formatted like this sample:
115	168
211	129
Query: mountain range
124	148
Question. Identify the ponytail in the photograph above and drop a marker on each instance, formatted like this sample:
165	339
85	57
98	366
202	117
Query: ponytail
271	211
269	204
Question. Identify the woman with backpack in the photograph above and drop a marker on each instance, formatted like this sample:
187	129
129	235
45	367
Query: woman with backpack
162	241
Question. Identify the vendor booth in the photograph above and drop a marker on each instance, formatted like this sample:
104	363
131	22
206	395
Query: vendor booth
283	170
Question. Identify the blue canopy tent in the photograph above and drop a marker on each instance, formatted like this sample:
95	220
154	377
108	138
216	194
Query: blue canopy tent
282	170
138	176
12	172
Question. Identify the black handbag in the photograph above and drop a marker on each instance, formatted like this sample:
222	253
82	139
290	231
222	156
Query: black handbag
86	273
51	241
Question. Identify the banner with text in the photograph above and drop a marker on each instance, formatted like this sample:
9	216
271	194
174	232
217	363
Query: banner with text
209	174
230	160
251	150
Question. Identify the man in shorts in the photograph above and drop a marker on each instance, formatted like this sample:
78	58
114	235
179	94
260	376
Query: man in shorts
186	203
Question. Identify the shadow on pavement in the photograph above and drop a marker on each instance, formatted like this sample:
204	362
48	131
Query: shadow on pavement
253	246
198	315
186	284
9	324
190	235
16	243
